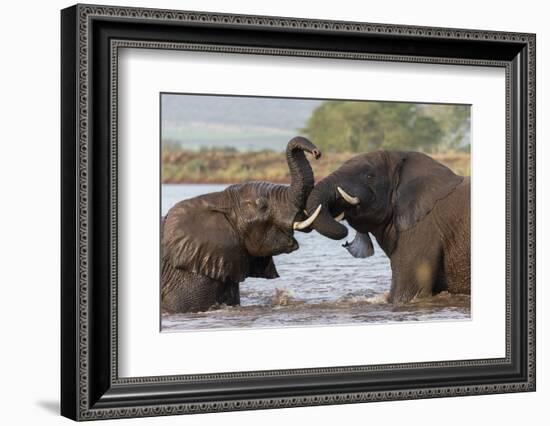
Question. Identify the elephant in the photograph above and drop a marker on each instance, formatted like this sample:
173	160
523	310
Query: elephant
417	209
212	242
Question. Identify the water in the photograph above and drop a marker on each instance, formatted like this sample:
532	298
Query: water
320	284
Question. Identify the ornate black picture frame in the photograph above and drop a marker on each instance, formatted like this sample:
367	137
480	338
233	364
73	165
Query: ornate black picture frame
90	385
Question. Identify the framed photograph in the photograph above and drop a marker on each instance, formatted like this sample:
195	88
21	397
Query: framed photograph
263	212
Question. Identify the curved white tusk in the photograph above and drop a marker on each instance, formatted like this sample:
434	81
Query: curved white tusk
305	212
352	200
305	223
340	217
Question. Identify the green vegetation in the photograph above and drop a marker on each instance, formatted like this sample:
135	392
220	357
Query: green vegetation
230	166
351	126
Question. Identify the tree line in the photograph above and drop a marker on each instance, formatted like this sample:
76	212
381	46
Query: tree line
352	126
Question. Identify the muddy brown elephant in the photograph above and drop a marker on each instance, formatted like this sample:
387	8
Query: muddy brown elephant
417	209
213	242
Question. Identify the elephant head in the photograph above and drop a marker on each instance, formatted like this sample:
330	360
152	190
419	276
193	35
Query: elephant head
233	234
384	193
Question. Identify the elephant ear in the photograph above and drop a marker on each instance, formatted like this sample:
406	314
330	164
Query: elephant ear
199	238
421	183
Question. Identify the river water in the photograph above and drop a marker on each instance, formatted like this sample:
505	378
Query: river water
319	284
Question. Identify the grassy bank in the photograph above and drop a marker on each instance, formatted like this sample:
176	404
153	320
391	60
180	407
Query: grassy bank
220	166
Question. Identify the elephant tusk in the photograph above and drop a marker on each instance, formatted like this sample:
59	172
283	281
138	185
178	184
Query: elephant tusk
305	212
340	217
352	200
305	223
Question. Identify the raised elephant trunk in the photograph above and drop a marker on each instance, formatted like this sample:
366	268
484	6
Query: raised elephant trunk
301	174
325	194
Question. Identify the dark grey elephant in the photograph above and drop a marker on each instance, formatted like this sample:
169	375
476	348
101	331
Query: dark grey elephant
417	209
213	242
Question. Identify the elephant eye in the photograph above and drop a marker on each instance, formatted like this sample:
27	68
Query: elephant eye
369	175
261	204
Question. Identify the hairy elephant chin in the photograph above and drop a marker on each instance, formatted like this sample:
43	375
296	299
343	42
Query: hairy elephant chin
293	246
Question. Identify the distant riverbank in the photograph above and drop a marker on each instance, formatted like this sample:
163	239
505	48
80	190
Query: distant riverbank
228	166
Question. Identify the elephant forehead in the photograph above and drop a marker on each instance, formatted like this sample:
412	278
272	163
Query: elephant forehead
251	190
372	160
282	210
